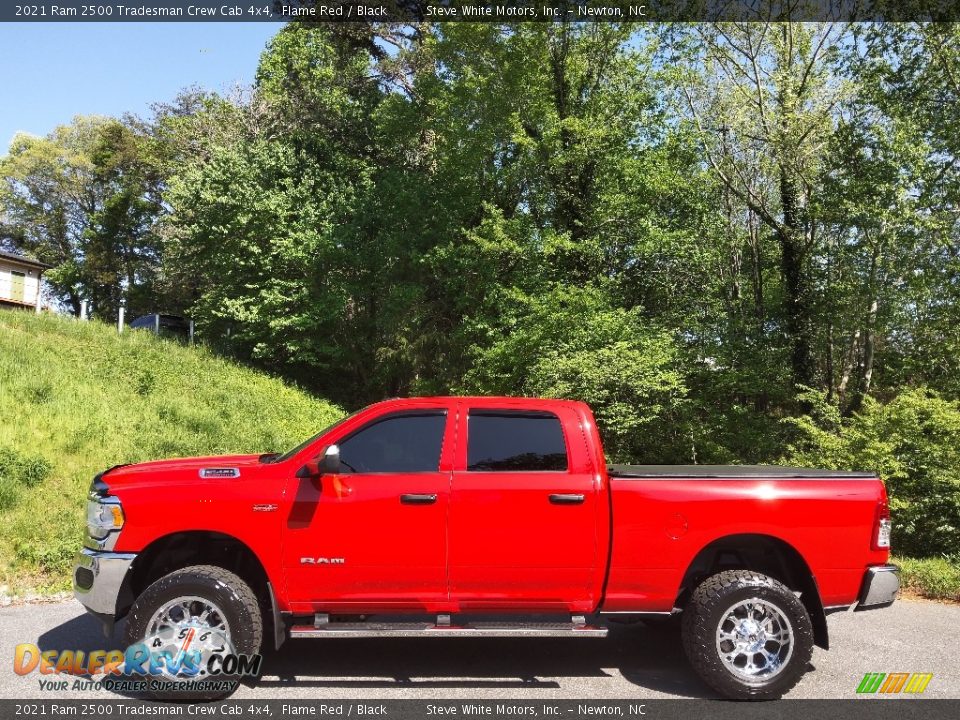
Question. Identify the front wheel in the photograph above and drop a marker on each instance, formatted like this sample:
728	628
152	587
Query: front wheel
747	635
192	619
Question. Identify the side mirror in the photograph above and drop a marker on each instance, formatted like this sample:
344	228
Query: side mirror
330	464
327	464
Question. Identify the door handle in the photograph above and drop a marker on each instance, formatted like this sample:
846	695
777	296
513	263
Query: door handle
566	499
418	498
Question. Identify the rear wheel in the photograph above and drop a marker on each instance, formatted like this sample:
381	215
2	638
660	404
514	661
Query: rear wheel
202	610
747	635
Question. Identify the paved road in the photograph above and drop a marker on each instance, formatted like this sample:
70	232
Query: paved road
635	661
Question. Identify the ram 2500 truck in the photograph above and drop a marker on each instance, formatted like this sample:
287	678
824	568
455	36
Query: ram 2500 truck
440	517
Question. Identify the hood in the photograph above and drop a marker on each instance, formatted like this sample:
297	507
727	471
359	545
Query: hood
216	467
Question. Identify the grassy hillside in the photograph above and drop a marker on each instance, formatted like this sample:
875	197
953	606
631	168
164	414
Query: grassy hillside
76	398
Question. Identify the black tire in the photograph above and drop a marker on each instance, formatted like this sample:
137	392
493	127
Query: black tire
707	610
226	590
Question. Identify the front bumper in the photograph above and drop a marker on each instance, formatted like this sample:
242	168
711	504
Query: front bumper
881	583
98	581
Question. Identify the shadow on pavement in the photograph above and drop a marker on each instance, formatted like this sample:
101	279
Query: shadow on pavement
649	656
80	633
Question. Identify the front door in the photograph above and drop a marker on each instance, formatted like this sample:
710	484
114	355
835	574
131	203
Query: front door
523	515
17	282
373	536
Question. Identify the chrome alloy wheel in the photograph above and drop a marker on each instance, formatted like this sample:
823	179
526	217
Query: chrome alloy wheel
185	625
754	640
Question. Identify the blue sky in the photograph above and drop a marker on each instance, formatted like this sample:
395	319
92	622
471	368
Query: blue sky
50	72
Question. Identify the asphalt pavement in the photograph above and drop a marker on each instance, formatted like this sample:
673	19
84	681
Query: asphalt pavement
634	662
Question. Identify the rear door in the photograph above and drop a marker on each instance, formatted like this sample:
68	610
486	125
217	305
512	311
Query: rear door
524	512
373	536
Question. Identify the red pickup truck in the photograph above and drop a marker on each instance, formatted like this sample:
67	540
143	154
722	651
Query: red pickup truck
442	516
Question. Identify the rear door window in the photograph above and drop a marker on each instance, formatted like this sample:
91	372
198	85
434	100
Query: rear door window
505	441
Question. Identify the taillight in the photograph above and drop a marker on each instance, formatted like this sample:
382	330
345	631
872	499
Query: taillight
882	525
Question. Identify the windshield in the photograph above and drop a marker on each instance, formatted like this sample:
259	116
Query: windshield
270	458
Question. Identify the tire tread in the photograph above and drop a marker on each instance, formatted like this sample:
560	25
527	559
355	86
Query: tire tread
698	633
247	638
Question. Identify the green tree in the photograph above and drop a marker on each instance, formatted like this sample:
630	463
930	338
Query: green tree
573	343
48	196
85	199
263	185
121	249
761	98
909	75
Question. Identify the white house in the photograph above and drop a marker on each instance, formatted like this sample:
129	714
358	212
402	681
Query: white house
20	281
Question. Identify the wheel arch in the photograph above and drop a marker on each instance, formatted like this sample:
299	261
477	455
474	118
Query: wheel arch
182	549
766	554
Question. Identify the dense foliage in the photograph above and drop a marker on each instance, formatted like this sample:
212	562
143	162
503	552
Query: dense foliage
739	243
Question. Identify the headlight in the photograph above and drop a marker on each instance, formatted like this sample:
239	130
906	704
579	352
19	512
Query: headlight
104	515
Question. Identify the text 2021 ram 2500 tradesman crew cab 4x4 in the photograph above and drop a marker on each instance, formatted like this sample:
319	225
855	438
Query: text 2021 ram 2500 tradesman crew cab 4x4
454	508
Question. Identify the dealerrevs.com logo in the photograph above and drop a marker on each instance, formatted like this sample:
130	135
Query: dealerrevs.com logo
136	669
892	683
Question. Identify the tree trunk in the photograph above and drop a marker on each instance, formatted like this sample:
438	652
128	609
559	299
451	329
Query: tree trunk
757	262
573	179
869	349
75	304
869	340
797	283
848	365
829	368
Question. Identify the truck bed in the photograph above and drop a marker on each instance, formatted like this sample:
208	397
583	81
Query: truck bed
730	472
665	515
